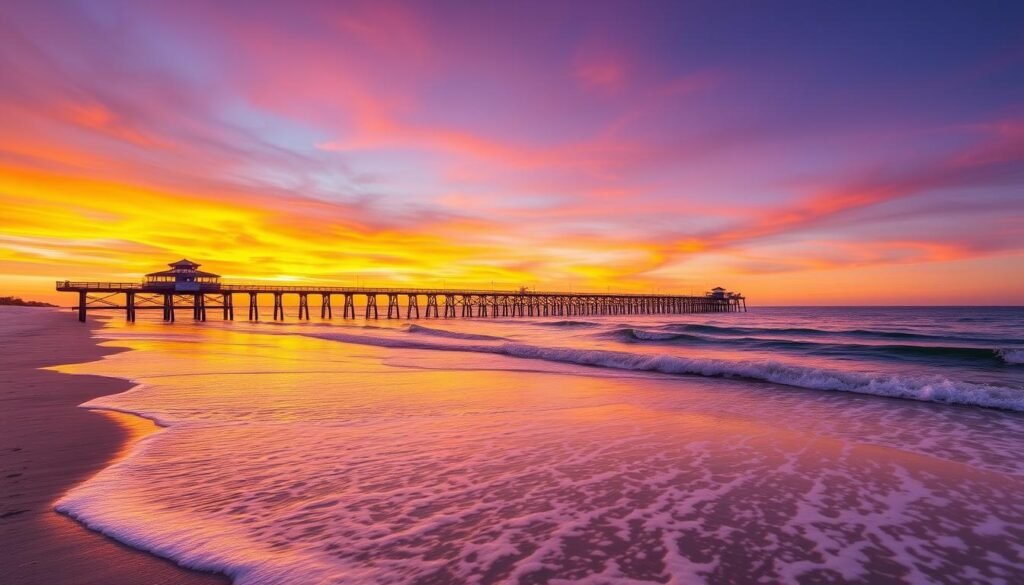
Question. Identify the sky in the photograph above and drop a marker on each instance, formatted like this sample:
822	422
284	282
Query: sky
797	152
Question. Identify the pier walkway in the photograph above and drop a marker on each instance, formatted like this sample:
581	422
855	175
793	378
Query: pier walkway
185	288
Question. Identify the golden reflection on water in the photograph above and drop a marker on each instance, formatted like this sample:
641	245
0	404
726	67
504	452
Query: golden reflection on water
304	458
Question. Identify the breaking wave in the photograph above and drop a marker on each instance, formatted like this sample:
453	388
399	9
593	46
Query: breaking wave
413	328
812	332
1011	356
943	352
924	388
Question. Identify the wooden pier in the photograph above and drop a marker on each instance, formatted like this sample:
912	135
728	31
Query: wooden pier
185	288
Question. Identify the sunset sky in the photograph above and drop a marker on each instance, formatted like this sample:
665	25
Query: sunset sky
812	155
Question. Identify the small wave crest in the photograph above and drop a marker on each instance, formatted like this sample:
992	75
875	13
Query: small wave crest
904	336
568	323
895	351
1011	356
636	334
413	328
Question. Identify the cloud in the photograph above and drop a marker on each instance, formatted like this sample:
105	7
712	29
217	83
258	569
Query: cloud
608	74
409	143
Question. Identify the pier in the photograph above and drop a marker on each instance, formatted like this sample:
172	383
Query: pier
185	289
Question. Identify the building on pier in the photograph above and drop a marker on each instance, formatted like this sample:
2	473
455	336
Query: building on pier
184	276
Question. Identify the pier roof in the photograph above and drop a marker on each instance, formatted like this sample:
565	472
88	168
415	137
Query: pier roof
184	266
177	272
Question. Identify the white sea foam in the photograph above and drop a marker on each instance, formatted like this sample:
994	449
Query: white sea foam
1011	356
293	459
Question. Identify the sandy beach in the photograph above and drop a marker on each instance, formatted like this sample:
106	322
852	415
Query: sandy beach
48	445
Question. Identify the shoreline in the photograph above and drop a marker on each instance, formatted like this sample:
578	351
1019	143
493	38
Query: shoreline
48	445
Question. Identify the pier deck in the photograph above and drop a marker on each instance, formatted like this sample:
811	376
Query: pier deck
131	297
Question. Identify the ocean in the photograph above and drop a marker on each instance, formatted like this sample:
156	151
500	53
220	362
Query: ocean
780	445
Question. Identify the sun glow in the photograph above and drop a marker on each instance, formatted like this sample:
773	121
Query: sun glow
269	155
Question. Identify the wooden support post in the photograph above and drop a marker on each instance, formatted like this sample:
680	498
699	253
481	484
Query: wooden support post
349	310
169	308
199	307
278	307
129	305
431	306
371	305
304	306
467	305
83	299
254	308
449	305
412	304
325	306
481	306
228	302
394	311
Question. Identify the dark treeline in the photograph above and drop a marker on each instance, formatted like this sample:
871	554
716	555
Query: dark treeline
17	302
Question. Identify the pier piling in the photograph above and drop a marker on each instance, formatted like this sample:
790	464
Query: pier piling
278	307
371	305
185	287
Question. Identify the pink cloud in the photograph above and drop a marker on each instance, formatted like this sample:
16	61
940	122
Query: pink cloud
607	74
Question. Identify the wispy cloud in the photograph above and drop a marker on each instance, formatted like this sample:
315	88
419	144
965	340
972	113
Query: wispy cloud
386	139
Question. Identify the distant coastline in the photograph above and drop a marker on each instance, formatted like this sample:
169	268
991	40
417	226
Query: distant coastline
18	302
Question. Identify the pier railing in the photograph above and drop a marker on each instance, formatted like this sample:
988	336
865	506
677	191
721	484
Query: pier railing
71	286
471	302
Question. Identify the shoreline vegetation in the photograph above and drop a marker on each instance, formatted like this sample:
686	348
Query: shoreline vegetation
18	302
48	445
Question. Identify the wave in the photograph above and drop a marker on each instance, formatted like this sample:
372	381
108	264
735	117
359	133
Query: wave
637	334
923	388
808	331
714	329
413	328
634	335
899	351
1011	356
568	323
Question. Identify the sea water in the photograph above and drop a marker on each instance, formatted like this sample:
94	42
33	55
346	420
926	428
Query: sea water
813	445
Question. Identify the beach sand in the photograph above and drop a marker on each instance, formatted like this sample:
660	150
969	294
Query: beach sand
48	445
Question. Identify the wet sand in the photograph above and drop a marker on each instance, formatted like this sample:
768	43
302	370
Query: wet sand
48	445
